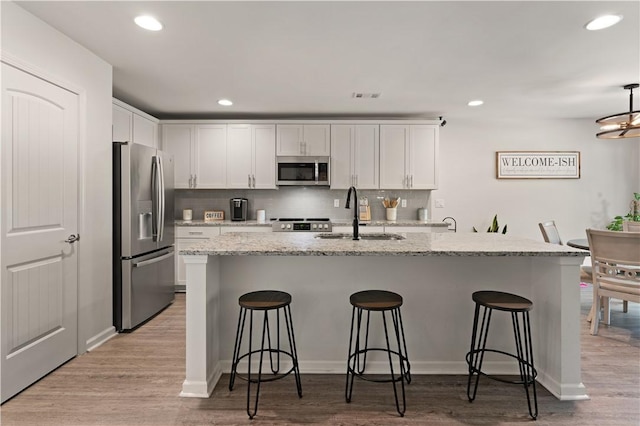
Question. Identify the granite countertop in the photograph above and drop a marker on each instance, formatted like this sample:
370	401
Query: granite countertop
221	223
399	222
339	222
415	244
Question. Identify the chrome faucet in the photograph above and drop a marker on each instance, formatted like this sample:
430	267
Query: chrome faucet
355	210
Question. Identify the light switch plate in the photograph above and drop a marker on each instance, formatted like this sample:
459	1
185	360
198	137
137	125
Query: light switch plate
439	203
336	202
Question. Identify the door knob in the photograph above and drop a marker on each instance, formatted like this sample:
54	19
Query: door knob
72	238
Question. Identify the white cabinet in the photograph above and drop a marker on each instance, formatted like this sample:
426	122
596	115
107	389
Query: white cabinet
251	156
408	156
132	125
355	154
187	236
303	139
199	153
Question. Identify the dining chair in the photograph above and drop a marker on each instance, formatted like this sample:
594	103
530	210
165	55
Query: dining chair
615	257
550	232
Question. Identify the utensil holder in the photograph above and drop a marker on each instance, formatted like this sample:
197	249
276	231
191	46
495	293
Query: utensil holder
392	213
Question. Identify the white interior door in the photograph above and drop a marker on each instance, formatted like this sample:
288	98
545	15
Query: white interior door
39	169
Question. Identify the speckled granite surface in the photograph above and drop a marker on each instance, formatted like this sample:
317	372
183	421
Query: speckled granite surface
334	223
221	223
415	244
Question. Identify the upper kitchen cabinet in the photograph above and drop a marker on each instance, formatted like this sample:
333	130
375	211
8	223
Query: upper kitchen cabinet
355	153
303	140
132	125
199	152
251	156
409	156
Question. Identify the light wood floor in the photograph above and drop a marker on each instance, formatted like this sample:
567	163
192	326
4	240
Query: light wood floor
134	379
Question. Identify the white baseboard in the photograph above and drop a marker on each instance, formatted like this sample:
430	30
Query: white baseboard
100	338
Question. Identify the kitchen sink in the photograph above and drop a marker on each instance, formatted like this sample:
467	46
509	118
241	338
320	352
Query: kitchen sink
373	237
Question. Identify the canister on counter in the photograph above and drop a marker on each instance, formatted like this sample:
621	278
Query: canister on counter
422	214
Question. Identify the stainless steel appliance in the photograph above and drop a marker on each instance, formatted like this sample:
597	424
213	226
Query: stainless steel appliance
301	225
302	171
143	233
238	209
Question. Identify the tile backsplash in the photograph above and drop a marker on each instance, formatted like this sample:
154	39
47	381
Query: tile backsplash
301	202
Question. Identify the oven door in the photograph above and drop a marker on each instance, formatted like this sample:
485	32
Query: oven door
302	171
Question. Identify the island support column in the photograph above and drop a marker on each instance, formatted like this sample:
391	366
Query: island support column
556	295
202	310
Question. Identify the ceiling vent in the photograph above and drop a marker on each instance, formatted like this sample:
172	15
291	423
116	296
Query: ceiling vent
361	95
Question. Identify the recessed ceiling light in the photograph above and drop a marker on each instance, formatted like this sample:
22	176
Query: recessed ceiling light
602	22
148	23
225	102
477	102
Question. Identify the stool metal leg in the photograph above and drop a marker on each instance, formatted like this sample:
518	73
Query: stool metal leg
476	354
350	376
393	382
525	355
236	347
397	322
265	326
292	344
275	369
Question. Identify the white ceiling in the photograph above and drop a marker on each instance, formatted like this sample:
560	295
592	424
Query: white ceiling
305	59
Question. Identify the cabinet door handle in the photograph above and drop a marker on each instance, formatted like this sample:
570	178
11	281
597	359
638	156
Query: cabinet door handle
196	232
411	186
249	181
190	181
254	180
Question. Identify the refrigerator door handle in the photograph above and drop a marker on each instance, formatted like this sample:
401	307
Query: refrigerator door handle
161	202
154	260
154	197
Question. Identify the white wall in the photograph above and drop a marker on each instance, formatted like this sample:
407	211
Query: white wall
39	45
609	176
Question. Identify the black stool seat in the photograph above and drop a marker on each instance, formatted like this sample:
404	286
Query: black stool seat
395	348
376	300
502	301
519	308
265	299
266	302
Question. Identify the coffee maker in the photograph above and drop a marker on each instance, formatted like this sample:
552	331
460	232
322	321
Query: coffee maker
238	209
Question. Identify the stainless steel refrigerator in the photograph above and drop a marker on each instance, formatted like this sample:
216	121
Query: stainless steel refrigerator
143	233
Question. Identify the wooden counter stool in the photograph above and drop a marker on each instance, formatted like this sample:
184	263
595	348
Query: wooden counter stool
266	301
517	306
381	301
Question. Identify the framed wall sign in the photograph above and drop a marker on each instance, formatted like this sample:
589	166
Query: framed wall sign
538	164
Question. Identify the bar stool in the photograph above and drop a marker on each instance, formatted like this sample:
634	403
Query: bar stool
381	301
266	301
516	305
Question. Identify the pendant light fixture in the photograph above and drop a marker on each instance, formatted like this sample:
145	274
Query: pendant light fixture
622	125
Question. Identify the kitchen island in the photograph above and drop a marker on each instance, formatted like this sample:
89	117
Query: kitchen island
436	273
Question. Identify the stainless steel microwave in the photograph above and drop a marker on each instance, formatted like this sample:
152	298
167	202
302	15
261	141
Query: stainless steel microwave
302	171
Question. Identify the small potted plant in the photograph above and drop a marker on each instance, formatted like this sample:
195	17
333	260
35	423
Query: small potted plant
617	224
495	227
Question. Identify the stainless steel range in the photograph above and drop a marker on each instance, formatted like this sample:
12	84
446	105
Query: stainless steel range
287	224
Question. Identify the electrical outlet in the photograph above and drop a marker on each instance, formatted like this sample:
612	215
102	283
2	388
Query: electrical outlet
336	202
404	203
439	203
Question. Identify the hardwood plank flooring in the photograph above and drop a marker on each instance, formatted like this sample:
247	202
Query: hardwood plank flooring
134	379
